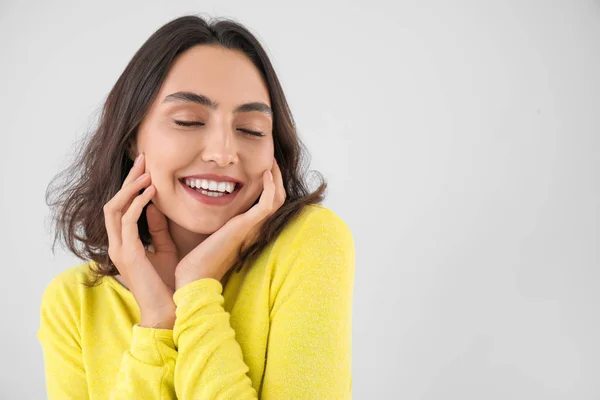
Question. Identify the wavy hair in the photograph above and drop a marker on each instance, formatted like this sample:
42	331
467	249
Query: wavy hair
78	193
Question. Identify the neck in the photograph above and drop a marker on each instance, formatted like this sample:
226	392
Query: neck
185	241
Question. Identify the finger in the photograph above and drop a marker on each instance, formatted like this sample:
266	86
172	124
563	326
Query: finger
138	168
122	200
129	226
159	230
113	210
142	178
261	210
265	204
268	195
112	221
280	194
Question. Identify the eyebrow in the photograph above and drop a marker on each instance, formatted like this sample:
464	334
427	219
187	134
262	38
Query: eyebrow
197	98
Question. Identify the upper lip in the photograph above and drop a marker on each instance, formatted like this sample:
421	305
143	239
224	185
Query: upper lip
214	177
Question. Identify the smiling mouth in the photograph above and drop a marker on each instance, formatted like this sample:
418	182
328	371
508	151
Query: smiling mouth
212	191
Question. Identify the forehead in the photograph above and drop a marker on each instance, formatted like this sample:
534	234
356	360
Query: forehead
226	76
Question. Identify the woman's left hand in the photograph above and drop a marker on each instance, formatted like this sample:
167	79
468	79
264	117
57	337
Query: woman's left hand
216	254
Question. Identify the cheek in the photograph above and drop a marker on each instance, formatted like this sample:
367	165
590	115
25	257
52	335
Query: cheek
162	146
165	153
255	165
260	159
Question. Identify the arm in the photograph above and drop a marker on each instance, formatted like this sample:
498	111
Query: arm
146	369
61	345
210	364
310	344
309	350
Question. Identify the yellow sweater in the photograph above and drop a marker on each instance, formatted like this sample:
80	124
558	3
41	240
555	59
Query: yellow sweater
281	328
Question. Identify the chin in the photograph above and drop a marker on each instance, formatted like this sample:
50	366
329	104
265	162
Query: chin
205	226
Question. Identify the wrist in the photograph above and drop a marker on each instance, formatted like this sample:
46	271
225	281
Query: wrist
183	279
166	322
163	318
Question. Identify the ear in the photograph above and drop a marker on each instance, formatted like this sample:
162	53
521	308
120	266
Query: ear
132	151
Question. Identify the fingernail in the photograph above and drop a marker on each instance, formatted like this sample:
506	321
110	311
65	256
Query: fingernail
137	159
142	176
270	175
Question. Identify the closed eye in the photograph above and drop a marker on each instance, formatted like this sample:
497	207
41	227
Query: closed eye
249	132
195	123
188	123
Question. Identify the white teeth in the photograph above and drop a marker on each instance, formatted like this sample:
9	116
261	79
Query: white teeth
212	194
210	185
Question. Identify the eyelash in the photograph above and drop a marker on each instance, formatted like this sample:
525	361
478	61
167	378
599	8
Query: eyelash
194	123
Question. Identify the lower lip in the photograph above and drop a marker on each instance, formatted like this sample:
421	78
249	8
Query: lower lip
210	200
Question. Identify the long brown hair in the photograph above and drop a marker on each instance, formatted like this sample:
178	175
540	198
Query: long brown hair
77	195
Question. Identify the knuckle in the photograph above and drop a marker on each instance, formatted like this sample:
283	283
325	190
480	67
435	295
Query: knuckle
128	218
267	210
130	215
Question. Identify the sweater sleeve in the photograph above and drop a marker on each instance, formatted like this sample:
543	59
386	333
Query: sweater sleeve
309	353
309	348
210	363
59	335
146	369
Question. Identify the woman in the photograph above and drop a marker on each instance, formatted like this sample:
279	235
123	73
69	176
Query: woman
212	272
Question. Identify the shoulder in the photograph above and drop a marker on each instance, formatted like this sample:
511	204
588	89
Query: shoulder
60	308
67	286
72	278
317	240
318	225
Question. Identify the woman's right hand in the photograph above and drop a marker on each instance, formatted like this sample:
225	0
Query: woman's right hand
135	264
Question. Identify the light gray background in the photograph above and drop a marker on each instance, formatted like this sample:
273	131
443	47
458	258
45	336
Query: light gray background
460	141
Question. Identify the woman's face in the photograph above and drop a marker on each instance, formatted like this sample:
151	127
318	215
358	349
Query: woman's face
226	104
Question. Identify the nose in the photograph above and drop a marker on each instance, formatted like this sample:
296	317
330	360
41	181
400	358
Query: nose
220	147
